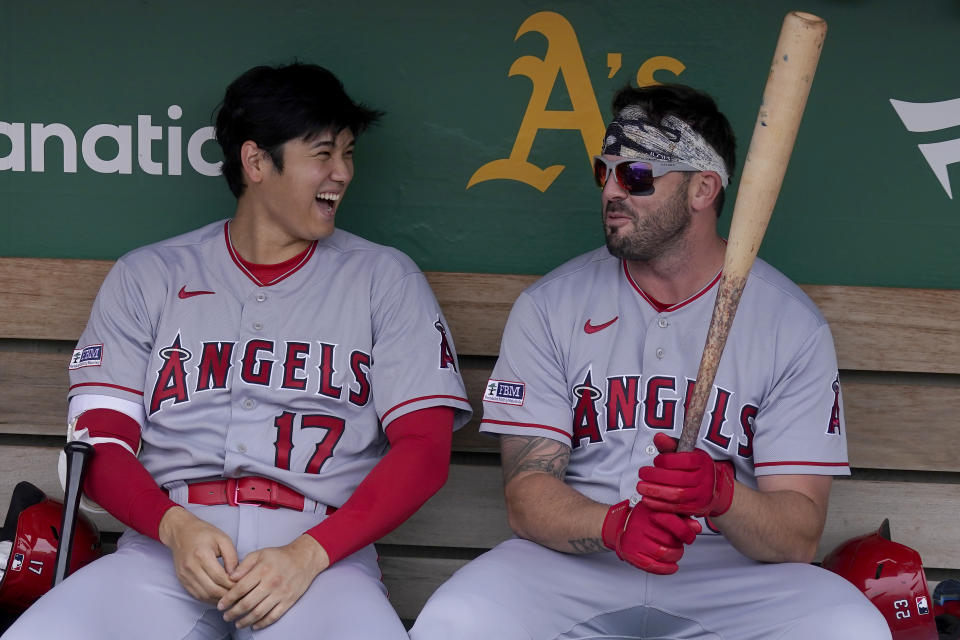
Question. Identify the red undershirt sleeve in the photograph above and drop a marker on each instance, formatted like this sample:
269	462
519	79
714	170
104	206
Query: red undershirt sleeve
116	480
414	469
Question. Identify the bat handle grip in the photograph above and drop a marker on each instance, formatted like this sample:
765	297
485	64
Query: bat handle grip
78	454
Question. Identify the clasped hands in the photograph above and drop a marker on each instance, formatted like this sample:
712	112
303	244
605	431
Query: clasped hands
253	592
677	487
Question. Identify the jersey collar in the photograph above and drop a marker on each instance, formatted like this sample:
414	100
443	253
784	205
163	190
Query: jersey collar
267	275
661	307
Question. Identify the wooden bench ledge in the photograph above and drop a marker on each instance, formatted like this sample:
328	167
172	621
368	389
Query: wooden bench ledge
899	352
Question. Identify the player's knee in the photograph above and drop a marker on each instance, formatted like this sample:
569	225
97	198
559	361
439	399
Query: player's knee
445	617
457	616
847	621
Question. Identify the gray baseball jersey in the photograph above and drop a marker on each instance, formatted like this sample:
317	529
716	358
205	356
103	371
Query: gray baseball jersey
294	381
589	360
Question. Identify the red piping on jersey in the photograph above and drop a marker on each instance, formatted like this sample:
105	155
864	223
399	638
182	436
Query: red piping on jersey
395	407
800	463
526	425
237	260
104	384
659	306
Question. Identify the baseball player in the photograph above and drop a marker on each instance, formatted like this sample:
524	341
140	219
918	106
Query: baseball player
241	385
596	363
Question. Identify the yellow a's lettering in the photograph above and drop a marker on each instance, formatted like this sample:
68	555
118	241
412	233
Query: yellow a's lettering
656	63
563	55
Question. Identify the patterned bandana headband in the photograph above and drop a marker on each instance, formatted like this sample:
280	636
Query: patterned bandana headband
633	135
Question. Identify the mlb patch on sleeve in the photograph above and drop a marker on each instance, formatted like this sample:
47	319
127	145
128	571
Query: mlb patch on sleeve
504	392
91	356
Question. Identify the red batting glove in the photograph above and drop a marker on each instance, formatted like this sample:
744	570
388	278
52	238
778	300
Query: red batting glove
614	522
649	540
689	483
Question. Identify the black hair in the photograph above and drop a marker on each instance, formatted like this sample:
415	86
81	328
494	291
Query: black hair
694	107
272	105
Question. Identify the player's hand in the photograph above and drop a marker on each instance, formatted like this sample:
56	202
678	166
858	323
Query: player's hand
647	539
196	545
690	483
270	581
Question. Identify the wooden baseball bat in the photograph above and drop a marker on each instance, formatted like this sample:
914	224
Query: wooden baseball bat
784	99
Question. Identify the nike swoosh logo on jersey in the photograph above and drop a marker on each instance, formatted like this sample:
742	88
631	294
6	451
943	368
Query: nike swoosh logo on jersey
183	294
593	328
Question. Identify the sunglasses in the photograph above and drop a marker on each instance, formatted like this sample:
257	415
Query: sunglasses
634	176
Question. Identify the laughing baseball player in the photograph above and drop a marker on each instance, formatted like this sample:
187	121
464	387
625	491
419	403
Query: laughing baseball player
242	385
587	397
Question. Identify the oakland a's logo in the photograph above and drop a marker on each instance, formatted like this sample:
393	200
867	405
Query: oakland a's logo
563	59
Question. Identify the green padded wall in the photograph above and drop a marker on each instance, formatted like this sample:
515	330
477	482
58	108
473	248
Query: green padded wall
507	97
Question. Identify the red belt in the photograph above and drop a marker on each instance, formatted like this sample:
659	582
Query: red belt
266	493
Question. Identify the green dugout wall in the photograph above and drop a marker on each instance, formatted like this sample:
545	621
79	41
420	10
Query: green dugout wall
493	109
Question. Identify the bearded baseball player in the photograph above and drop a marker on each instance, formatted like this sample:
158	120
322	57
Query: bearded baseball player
242	384
587	397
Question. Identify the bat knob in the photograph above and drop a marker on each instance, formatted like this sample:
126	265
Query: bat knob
78	447
807	17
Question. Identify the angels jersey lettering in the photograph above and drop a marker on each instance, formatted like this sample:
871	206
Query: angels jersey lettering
605	388
295	381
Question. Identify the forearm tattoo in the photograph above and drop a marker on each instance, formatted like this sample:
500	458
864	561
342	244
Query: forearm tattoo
523	453
588	545
520	454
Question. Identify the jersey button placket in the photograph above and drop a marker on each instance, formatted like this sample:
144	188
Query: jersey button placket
259	297
250	414
663	323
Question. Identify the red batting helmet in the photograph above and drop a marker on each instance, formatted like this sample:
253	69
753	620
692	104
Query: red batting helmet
891	575
33	527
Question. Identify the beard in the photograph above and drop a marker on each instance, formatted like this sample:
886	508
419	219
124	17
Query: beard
650	236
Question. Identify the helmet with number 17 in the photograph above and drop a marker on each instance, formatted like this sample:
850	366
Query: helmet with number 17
31	536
